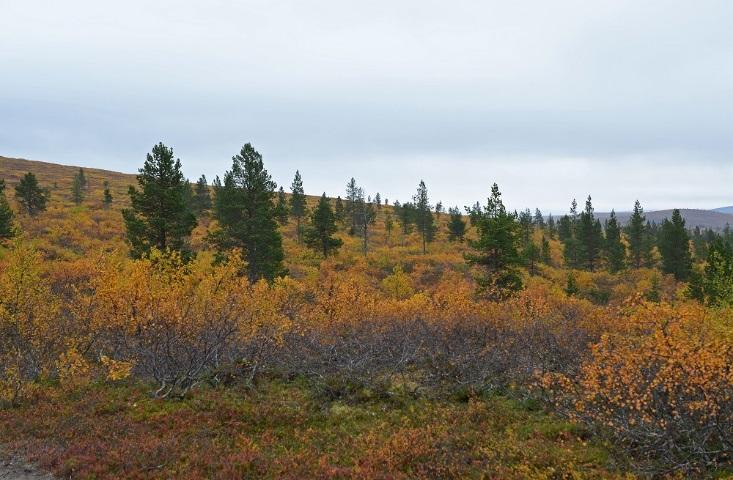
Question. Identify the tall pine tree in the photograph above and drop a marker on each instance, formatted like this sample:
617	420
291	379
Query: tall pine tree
297	203
614	248
201	196
496	249
245	209
424	220
635	233
589	236
319	235
674	245
456	225
159	216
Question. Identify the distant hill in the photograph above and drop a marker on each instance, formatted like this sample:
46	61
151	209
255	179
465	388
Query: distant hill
714	219
724	209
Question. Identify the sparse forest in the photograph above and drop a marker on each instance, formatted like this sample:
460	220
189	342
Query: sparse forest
156	327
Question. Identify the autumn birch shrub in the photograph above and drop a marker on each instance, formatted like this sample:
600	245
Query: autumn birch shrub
661	388
30	337
181	324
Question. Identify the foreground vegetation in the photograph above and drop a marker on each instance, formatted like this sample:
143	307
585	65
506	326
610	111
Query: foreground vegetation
165	332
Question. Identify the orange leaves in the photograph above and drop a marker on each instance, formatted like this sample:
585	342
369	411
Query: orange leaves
662	382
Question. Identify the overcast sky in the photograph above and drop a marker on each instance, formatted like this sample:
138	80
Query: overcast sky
550	99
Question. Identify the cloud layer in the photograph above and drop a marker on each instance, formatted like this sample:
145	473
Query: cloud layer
553	100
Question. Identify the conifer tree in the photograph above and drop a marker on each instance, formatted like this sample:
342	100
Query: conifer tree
78	187
496	249
635	233
297	204
83	181
615	249
319	235
353	193
7	230
539	219
715	285
364	215
159	216
424	220
532	256
649	240
378	201
406	216
282	211
551	227
474	213
106	195
456	225
201	196
245	209
567	233
438	210
339	212
545	254
674	245
31	197
589	235
388	226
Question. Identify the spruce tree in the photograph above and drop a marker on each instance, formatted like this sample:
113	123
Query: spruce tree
297	203
282	211
496	249
388	226
319	235
635	233
31	197
674	245
589	236
456	225
424	220
7	230
78	187
201	196
615	249
378	201
159	216
244	207
107	195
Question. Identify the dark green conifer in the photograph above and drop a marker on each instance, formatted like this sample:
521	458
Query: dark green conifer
159	216
319	235
245	209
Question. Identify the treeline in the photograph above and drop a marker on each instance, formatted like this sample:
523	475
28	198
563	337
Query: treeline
249	208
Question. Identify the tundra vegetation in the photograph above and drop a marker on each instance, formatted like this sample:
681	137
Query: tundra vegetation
151	327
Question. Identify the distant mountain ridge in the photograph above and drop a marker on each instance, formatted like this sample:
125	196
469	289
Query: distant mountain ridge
714	219
724	209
